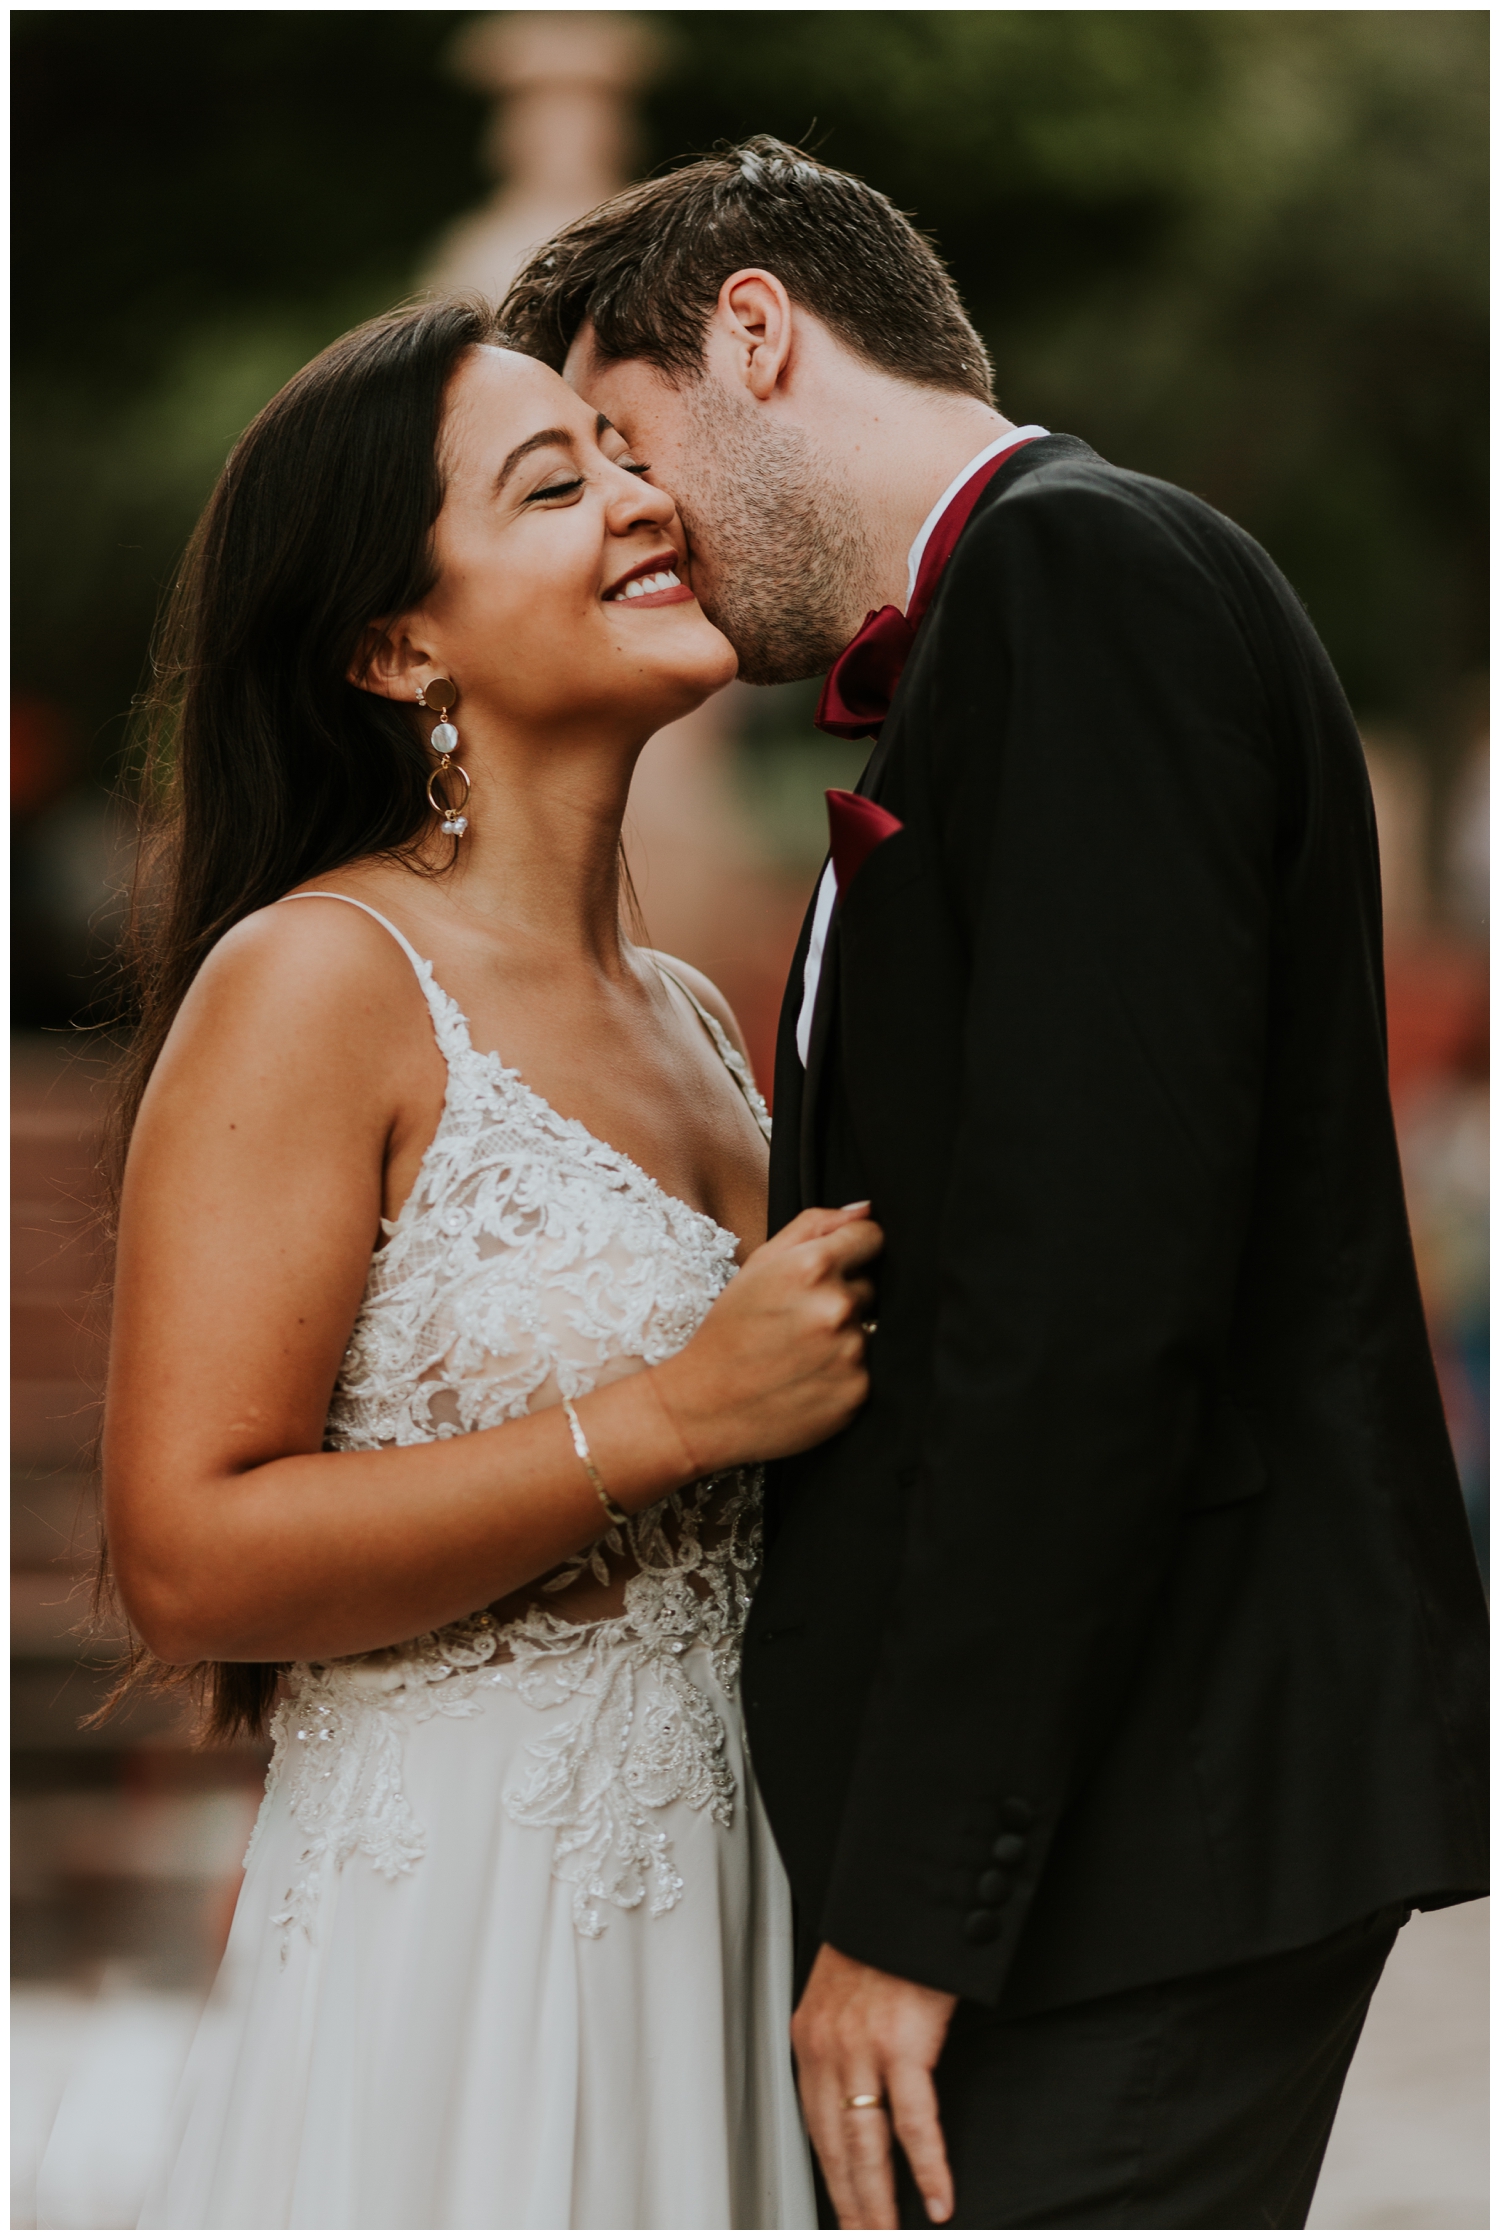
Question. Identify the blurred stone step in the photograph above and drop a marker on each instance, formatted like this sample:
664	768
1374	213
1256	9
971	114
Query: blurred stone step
1410	2144
53	1420
50	1699
54	1519
52	1340
51	1616
92	2086
54	1161
52	1257
193	1835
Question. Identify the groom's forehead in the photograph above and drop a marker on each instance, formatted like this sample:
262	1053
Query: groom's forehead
580	360
624	388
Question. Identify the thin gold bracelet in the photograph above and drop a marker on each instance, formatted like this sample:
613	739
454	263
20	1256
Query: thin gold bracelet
612	1509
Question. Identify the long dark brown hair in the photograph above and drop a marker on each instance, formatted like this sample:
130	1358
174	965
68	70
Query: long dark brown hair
262	765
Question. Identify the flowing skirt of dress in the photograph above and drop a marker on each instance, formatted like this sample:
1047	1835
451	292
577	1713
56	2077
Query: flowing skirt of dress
445	2050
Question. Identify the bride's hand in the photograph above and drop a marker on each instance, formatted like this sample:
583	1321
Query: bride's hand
778	1363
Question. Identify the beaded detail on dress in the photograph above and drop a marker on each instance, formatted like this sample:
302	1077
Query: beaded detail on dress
531	1262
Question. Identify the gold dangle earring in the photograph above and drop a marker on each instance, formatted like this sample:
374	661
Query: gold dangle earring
440	694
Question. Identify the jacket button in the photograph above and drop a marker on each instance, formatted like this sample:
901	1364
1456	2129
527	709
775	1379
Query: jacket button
1008	1851
994	1887
1015	1812
982	1927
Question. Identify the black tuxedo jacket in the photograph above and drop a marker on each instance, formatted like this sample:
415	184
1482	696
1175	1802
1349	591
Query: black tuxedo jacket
1133	1628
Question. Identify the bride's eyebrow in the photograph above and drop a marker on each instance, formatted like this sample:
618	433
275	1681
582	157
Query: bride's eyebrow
563	437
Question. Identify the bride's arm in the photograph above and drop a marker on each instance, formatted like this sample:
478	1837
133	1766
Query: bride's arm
252	1199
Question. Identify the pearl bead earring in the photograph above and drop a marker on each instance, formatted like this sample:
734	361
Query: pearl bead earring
440	694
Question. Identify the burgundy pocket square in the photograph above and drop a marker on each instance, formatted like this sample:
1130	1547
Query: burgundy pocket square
856	828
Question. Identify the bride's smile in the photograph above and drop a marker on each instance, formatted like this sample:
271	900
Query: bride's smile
654	581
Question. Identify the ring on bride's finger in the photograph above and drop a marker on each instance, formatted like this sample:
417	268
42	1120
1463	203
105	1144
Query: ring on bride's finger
869	1329
865	2100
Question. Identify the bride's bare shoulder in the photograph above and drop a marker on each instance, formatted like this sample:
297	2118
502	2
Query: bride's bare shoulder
310	987
711	998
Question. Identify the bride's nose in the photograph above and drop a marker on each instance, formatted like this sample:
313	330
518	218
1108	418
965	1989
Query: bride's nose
638	504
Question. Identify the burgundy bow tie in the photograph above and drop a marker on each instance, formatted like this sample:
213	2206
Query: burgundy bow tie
862	682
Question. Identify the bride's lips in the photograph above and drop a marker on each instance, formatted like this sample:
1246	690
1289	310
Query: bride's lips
654	591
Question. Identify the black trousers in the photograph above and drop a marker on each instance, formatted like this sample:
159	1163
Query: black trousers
1200	2104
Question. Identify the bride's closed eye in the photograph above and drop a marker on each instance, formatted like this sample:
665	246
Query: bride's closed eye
563	489
572	483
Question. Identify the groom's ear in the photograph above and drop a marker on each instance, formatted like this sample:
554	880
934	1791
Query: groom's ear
752	328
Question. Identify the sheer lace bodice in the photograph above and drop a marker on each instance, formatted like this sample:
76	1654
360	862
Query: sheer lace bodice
532	1262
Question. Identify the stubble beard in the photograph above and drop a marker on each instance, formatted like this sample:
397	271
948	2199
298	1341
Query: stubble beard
780	552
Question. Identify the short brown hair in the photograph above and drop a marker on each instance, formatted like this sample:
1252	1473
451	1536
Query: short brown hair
647	266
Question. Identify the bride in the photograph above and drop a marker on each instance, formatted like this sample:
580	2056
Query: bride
443	1350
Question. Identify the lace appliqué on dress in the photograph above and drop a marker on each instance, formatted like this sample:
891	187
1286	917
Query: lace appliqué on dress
641	1736
348	1720
527	1251
530	1255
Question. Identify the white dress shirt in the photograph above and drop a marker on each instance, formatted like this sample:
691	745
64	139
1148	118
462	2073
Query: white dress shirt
828	887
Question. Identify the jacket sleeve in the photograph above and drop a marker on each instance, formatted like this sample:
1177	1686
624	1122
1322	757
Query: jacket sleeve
1100	745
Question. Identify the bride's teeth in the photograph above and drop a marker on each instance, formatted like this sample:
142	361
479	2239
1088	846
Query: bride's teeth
665	579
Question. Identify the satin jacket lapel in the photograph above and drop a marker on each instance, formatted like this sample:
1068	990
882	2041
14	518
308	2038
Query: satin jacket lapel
823	1009
1044	451
788	1097
817	1049
869	780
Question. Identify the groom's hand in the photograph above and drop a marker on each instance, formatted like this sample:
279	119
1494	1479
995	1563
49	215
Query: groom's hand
859	2031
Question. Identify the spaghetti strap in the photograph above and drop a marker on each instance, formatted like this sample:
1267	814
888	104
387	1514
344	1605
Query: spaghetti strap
449	1025
734	1063
420	966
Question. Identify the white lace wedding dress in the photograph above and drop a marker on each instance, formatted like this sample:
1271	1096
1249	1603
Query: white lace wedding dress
513	1949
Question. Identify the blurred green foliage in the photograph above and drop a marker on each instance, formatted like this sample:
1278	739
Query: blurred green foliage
201	200
1242	250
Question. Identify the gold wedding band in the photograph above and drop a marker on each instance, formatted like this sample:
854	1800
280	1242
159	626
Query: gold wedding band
865	2100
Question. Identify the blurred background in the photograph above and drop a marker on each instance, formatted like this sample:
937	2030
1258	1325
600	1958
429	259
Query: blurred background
1243	250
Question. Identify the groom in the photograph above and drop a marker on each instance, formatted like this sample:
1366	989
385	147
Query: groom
1115	1684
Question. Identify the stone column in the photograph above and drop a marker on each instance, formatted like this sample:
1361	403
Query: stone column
561	136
